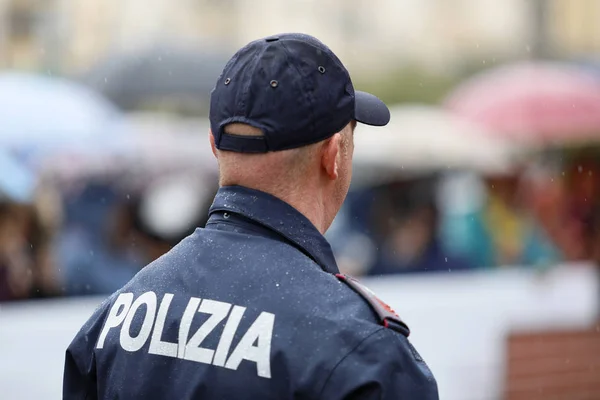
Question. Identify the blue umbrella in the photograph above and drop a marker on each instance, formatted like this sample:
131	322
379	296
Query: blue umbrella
17	183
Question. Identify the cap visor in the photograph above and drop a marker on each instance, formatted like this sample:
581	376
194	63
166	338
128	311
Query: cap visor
370	110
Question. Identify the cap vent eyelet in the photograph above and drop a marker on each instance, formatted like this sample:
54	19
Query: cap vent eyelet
321	69
274	83
227	81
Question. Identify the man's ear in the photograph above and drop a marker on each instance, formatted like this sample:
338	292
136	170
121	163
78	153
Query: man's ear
330	157
211	139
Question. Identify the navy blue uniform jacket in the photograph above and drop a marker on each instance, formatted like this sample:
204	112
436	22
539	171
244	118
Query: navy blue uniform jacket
248	307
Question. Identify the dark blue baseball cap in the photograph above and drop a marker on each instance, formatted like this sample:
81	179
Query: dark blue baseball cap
294	89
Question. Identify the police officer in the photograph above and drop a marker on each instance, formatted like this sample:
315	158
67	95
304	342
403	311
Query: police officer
253	306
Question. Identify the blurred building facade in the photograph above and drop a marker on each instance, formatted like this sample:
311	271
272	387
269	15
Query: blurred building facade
375	35
573	27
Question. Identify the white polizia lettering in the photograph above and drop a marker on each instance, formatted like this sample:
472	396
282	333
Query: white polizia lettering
139	321
261	331
185	325
227	336
157	345
218	312
128	342
117	314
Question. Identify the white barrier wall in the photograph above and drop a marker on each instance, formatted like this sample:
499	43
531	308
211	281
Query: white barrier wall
459	323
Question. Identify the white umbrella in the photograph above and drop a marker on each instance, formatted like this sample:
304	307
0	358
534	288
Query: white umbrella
151	145
422	138
155	140
40	112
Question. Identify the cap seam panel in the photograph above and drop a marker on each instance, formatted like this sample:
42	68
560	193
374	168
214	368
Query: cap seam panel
307	94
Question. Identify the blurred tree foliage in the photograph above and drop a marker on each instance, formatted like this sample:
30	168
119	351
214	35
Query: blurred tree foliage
414	84
408	85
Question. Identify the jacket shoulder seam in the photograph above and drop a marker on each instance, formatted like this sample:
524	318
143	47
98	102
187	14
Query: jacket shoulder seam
360	343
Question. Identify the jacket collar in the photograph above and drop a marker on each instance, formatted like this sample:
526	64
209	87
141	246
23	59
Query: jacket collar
278	216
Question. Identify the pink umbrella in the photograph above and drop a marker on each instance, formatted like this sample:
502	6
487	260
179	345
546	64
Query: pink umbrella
534	102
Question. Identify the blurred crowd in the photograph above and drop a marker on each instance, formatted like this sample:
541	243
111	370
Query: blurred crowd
91	238
534	217
86	202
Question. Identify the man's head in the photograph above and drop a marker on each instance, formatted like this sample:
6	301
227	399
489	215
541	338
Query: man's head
282	116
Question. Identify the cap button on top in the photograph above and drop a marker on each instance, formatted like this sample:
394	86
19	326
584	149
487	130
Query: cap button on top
272	39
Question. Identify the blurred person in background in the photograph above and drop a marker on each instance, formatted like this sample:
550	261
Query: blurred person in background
583	194
87	247
351	234
16	263
546	198
406	220
166	212
595	238
500	230
566	201
128	232
512	235
26	268
40	231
